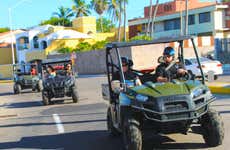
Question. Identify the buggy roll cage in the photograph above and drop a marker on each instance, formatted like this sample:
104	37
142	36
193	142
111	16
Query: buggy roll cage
55	61
117	45
30	64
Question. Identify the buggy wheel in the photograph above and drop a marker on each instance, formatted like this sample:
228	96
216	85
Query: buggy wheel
75	95
132	136
112	130
213	128
17	88
45	98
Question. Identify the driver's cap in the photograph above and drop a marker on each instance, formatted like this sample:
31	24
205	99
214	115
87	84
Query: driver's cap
169	51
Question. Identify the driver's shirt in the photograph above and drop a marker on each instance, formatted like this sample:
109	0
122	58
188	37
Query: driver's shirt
171	73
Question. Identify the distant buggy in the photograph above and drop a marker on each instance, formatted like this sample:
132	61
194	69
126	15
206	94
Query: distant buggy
27	76
62	84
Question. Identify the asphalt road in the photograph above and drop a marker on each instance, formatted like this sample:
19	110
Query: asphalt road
27	124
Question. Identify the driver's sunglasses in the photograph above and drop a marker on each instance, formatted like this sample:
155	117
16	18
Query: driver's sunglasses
124	65
168	56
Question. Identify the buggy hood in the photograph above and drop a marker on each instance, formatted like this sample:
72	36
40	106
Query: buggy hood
167	89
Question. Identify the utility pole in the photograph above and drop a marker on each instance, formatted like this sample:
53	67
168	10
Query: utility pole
181	20
186	18
150	17
154	17
12	35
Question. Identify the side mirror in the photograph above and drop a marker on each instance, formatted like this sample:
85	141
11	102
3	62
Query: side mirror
116	86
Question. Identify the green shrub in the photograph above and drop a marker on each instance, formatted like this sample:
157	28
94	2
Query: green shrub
4	29
65	50
99	45
141	37
83	46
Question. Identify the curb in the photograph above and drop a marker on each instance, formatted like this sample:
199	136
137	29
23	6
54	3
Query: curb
6	81
219	87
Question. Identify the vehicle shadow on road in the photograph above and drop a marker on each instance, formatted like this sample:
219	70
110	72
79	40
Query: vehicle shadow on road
88	140
50	123
83	140
160	142
7	94
224	112
24	104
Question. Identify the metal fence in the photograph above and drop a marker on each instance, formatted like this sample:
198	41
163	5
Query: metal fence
222	50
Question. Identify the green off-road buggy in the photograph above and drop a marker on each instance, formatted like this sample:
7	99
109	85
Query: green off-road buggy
24	78
62	84
158	108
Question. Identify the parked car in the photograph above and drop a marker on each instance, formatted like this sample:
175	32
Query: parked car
207	65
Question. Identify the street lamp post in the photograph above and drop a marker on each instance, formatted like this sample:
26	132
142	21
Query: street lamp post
12	36
11	27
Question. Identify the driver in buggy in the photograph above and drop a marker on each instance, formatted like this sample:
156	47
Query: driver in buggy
128	73
174	70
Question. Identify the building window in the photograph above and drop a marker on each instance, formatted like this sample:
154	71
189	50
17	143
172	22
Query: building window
44	44
204	17
35	41
191	19
167	7
172	24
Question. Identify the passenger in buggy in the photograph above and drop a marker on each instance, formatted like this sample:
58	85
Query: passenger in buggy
51	71
68	69
129	75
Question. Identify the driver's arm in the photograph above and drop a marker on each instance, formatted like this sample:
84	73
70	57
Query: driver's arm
182	71
160	71
162	79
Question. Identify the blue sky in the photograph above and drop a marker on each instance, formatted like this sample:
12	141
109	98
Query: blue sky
31	12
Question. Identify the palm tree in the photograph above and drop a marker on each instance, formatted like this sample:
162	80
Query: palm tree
80	8
64	14
125	2
154	17
120	19
114	12
100	6
150	17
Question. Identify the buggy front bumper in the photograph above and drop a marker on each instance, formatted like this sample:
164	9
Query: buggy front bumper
179	115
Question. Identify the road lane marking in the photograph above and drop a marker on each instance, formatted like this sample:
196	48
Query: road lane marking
59	125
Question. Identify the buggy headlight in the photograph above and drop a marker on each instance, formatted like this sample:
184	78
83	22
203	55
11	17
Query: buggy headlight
197	92
141	98
209	94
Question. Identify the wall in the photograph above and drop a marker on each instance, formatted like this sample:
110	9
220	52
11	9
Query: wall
6	55
175	6
60	43
6	71
35	54
146	56
72	43
85	24
93	62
